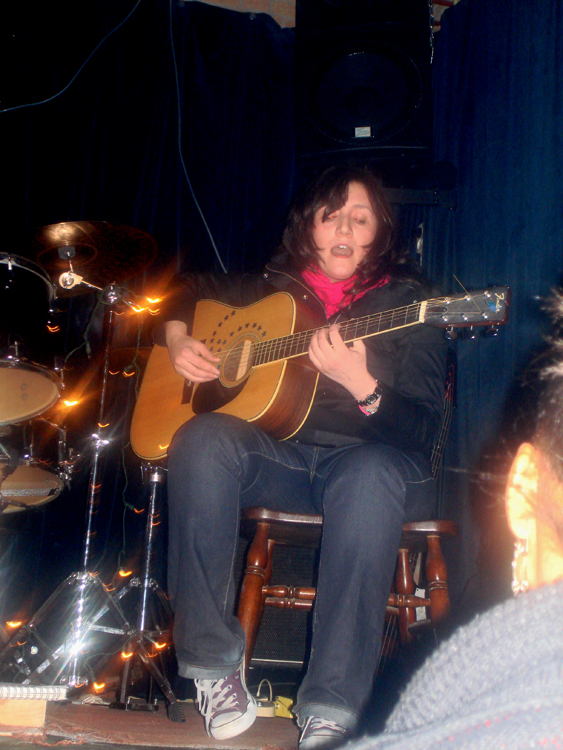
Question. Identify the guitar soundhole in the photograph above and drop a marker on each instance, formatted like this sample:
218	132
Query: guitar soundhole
238	362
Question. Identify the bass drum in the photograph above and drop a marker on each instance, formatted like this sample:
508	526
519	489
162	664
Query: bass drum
27	387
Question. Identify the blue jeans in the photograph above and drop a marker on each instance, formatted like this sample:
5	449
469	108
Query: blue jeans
218	465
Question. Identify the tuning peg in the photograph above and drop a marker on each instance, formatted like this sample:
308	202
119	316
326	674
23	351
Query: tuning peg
450	334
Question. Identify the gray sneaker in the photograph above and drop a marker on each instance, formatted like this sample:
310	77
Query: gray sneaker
226	705
319	733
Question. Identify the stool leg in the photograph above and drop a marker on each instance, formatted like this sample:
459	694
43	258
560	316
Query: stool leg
404	583
437	578
256	575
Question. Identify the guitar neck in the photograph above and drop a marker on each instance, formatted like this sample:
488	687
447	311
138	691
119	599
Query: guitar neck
297	344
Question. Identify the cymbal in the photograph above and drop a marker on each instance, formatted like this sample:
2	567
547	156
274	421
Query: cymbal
101	252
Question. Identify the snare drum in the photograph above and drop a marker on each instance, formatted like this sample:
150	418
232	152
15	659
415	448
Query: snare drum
42	463
30	485
27	388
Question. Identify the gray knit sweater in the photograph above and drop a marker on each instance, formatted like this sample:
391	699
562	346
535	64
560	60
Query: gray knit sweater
496	683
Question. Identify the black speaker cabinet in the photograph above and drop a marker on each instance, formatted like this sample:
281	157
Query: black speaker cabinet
363	89
284	636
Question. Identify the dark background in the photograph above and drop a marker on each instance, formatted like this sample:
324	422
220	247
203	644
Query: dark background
217	87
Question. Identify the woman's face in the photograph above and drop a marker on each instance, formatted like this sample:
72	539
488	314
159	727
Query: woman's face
345	236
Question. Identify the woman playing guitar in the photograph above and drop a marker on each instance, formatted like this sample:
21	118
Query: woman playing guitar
358	454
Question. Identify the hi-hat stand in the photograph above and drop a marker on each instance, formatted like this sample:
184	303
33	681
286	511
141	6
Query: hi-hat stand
34	655
152	633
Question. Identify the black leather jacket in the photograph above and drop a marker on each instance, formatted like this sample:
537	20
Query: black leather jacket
409	363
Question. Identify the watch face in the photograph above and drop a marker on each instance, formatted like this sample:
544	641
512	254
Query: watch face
372	398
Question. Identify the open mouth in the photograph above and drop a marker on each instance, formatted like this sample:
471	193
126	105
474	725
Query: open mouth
341	251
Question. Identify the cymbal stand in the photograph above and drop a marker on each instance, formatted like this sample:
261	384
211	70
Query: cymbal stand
68	664
149	630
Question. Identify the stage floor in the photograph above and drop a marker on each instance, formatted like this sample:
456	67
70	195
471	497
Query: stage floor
92	726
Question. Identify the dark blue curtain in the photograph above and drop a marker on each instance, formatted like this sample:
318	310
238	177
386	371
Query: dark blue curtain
498	76
216	87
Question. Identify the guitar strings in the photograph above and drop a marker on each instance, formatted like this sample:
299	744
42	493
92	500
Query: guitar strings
255	353
260	352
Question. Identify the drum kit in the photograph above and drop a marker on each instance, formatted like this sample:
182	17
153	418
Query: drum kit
58	261
36	463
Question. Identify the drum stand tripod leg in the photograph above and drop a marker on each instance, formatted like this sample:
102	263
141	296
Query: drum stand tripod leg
145	638
64	663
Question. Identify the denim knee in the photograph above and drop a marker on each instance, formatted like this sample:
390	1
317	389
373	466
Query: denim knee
205	441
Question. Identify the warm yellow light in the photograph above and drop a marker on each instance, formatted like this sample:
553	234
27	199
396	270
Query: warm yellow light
139	510
154	300
103	426
160	645
154	312
53	329
128	374
14	624
163	447
70	403
125	573
126	655
99	686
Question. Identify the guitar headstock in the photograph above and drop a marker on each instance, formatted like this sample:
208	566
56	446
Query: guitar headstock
488	307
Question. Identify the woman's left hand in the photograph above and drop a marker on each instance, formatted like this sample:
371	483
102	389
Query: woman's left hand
344	364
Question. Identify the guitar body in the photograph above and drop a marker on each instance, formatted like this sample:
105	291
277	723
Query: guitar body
276	396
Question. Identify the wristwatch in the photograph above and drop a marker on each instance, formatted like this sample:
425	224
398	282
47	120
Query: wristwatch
372	398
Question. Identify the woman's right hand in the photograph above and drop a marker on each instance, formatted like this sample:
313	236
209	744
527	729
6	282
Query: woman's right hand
191	358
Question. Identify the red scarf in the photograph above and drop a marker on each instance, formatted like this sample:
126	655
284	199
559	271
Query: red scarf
335	294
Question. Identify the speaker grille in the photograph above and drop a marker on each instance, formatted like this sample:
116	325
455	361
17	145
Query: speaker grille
376	92
284	635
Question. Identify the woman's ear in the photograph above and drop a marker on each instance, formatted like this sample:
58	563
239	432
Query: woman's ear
522	492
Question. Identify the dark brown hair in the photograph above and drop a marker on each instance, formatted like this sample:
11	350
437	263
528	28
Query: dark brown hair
548	435
385	257
549	424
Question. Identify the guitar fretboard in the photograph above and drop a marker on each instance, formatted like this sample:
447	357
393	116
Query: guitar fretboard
297	344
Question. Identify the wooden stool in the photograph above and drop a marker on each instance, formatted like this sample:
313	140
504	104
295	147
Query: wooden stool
266	528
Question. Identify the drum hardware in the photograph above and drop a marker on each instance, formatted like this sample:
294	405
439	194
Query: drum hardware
72	251
69	663
151	633
67	457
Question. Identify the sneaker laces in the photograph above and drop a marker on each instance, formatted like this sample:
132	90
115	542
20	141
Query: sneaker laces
317	723
214	696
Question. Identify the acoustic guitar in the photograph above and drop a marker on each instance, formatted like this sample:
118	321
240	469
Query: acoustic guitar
266	376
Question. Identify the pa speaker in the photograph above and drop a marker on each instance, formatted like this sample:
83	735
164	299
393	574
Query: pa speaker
363	88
